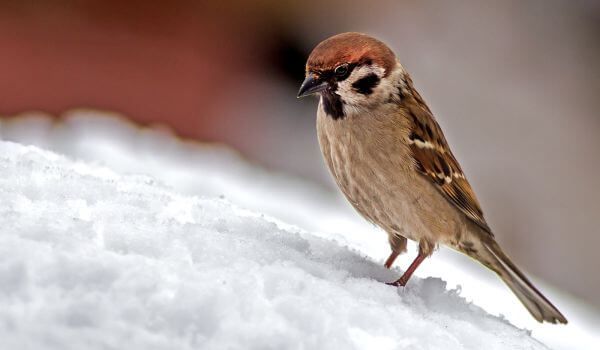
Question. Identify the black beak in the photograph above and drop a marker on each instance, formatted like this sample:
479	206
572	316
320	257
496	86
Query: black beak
311	85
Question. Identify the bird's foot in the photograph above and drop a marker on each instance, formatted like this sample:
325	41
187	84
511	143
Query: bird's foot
406	276
400	282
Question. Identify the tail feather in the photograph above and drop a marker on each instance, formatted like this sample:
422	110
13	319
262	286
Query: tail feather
535	302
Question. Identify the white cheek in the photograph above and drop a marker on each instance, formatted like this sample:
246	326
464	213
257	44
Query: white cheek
354	101
348	94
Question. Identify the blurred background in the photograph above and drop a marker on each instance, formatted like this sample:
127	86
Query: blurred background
513	83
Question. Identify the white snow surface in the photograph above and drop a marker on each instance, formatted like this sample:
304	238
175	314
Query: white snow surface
136	240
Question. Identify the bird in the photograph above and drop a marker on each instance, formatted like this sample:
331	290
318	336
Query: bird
390	158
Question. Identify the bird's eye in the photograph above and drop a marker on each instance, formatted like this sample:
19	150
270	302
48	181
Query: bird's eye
341	70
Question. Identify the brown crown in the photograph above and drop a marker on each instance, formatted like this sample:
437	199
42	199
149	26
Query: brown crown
350	48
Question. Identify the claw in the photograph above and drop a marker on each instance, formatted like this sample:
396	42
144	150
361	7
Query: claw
398	283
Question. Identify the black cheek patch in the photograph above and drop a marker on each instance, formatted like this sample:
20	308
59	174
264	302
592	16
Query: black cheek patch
333	105
366	85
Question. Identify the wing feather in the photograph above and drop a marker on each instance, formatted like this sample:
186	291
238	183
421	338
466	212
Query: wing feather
434	159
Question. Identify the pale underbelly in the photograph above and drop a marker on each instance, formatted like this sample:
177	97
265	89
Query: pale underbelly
401	204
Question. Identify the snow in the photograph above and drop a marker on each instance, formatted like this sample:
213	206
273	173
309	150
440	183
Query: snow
139	240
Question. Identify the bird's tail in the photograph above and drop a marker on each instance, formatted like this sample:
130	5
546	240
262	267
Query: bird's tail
494	258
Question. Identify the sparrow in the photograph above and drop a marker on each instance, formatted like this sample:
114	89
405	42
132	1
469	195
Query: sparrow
389	157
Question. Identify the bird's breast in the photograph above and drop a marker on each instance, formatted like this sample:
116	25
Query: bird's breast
371	165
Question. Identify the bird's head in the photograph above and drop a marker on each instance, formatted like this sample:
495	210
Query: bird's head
351	72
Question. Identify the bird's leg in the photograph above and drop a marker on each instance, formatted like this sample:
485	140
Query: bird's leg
411	269
390	260
425	250
398	245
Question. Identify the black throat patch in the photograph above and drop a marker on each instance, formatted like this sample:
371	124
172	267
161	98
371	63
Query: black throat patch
333	105
366	84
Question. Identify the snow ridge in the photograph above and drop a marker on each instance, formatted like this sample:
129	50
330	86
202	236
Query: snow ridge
91	259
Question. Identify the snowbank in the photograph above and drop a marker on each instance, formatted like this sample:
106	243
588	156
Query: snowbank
94	256
91	259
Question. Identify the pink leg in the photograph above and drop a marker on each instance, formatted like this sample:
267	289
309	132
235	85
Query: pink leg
411	269
391	259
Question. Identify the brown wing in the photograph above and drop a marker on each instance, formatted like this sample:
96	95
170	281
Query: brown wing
434	159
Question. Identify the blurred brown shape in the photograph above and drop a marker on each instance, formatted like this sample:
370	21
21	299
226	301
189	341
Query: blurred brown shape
158	62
